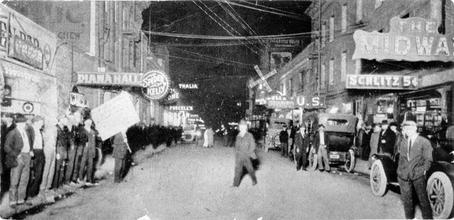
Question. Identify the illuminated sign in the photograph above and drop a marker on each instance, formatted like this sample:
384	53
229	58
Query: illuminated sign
381	82
410	39
114	78
188	86
155	84
180	108
309	102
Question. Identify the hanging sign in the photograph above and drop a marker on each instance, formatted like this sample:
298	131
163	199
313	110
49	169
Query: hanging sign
109	78
155	84
77	99
410	39
181	108
309	102
188	86
355	81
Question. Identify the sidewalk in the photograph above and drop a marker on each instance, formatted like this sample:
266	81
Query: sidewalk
38	203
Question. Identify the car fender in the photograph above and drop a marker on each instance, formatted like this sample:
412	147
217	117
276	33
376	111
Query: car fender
389	165
443	166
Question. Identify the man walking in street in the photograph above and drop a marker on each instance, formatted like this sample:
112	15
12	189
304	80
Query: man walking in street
414	161
39	159
321	142
387	140
19	150
244	152
301	146
283	138
120	151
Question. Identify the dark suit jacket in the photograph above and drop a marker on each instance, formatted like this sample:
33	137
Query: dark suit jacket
301	143
317	140
14	145
386	142
420	158
119	147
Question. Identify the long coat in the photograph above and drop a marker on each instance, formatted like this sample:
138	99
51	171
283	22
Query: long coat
208	138
13	146
387	141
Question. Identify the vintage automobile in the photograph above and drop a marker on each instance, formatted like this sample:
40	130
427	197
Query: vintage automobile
191	133
272	135
341	131
440	177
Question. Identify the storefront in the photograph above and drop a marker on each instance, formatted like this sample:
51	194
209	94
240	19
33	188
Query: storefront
26	58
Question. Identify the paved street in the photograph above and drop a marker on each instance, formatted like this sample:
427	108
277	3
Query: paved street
188	182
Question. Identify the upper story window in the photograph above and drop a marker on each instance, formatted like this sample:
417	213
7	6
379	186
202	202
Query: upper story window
323	34
343	65
331	72
359	10
344	18
322	76
331	29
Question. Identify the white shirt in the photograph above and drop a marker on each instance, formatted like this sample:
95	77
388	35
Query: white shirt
38	143
322	138
26	148
411	139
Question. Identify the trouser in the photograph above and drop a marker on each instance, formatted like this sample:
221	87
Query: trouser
59	173
407	188
120	164
36	173
226	140
323	158
74	157
284	150
86	165
301	158
19	179
240	164
49	169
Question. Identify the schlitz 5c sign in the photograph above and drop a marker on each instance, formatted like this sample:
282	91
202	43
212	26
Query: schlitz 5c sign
382	82
410	39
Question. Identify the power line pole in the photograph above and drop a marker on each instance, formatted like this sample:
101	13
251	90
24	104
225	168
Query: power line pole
319	72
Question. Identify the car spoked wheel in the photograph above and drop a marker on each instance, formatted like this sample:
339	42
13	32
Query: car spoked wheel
350	162
440	192
312	160
378	179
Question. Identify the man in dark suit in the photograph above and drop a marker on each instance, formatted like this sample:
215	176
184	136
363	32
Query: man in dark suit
321	142
386	140
7	126
283	138
301	145
19	150
414	161
120	151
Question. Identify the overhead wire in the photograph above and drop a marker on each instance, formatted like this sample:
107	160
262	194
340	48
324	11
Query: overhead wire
271	8
267	11
216	58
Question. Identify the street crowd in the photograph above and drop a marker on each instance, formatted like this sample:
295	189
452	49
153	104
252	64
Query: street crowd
37	158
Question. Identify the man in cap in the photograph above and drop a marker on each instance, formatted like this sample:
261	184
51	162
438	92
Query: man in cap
414	161
19	150
244	151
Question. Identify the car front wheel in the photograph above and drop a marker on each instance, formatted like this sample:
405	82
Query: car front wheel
351	161
378	179
440	192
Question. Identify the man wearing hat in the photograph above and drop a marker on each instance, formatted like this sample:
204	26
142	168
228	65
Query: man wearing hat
19	150
414	161
301	146
321	142
283	139
244	152
7	126
386	140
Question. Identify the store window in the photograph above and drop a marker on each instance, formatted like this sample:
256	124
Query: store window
344	18
331	29
331	73
425	110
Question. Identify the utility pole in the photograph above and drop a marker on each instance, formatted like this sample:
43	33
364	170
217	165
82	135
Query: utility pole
319	72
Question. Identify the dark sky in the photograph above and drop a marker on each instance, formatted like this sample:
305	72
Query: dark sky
221	72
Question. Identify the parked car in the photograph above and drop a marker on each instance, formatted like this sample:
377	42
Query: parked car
440	177
272	135
191	133
341	131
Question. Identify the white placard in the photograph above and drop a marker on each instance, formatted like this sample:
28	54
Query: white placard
114	116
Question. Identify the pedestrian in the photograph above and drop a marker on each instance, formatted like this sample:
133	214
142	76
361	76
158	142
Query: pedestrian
394	128
387	140
374	138
39	159
120	150
77	140
414	161
7	126
321	142
283	139
50	140
208	138
19	150
244	154
365	141
86	170
62	144
302	142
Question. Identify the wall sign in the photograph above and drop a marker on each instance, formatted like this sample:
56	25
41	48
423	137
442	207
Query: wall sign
410	39
22	107
25	51
28	107
77	99
113	78
309	102
181	108
155	84
355	81
188	86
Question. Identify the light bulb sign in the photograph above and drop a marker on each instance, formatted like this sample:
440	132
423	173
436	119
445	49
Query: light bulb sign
155	84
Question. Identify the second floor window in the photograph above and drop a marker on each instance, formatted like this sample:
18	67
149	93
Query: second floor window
331	72
323	34
344	18
343	65
331	29
322	76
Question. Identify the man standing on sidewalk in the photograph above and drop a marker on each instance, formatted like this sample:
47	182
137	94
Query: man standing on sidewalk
62	145
301	146
19	150
387	140
283	138
50	140
414	161
120	151
38	160
321	142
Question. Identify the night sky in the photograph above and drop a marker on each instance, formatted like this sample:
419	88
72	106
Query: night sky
223	71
